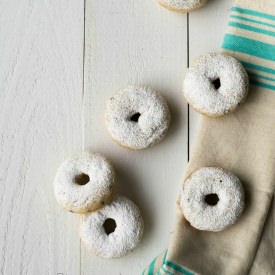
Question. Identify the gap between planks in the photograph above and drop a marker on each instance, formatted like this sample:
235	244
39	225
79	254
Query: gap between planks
83	110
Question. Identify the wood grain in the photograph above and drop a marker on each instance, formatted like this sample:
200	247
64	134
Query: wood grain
42	120
137	42
41	103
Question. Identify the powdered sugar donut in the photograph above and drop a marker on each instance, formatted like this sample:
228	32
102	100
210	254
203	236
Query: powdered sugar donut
215	84
182	5
212	199
137	117
84	183
114	230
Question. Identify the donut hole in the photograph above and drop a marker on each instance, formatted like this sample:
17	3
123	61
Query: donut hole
217	83
135	117
82	179
211	199
109	226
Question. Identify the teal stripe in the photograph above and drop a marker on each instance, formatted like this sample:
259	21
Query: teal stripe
152	267
249	46
254	13
250	28
252	21
178	268
261	76
257	67
165	255
166	271
261	84
163	259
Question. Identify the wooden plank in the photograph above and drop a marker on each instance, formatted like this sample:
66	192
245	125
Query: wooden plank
206	30
40	103
137	42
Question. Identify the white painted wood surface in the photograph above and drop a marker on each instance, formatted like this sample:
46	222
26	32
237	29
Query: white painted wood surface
41	46
46	116
206	31
137	42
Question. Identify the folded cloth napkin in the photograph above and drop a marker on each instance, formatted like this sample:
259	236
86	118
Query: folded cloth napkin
244	143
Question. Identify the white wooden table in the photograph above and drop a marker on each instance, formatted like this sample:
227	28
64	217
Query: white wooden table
57	71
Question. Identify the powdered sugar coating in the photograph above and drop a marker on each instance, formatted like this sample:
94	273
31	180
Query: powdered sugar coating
211	180
182	5
91	196
127	234
152	123
201	93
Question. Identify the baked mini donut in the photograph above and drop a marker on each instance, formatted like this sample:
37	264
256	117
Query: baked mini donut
182	5
137	117
212	199
84	183
215	84
114	230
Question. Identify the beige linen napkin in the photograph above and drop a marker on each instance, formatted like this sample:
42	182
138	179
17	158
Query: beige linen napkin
244	143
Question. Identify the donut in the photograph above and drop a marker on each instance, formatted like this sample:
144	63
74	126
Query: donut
137	117
215	84
212	199
84	183
182	5
114	230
